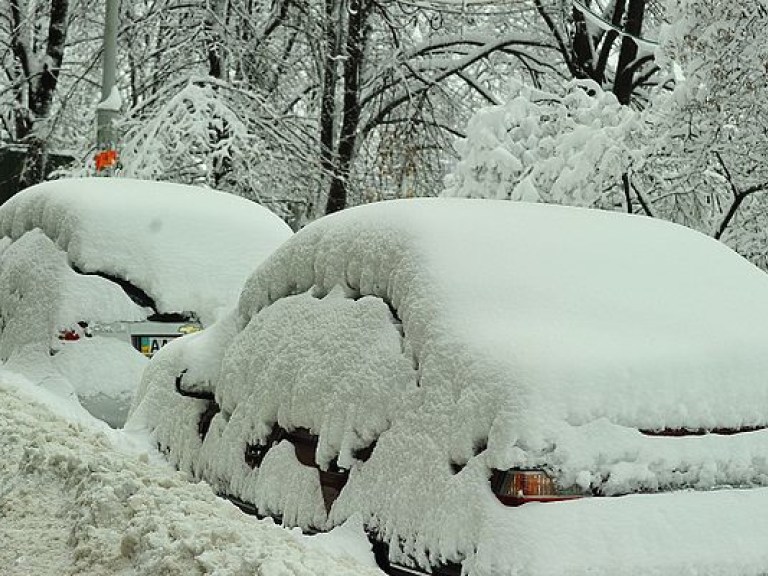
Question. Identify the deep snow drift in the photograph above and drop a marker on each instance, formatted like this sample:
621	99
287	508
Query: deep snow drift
78	500
466	336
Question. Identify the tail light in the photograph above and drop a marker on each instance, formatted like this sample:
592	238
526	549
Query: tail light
530	483
515	487
69	335
75	333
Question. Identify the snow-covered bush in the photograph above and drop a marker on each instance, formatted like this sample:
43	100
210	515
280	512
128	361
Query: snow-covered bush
694	156
569	148
189	136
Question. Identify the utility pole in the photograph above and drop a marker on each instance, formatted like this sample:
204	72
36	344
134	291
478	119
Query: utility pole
106	111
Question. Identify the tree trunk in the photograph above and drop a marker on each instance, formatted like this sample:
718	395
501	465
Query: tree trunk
337	194
34	169
633	25
583	57
608	40
42	76
215	17
328	98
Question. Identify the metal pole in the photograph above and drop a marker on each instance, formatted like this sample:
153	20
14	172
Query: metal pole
108	108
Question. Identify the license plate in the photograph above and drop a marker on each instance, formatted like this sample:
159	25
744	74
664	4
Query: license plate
148	345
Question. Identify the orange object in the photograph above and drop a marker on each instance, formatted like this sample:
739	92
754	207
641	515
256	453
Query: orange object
517	487
105	159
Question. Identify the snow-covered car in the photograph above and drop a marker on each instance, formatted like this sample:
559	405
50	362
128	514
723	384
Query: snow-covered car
97	274
431	365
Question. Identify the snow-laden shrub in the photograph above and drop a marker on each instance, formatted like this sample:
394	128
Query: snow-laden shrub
570	148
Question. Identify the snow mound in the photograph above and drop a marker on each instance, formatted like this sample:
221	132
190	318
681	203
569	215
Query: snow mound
73	503
453	337
104	373
184	246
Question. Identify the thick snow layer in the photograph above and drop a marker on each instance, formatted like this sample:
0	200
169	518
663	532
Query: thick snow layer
40	294
52	391
349	539
104	373
113	102
188	248
464	336
73	502
681	534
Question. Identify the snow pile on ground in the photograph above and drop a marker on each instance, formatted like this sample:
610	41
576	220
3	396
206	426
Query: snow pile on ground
499	335
104	373
681	534
188	248
72	502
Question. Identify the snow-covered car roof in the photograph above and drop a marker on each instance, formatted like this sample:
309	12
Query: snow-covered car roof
189	248
586	314
450	338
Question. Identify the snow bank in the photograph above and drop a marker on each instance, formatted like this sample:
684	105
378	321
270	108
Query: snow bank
104	373
458	336
681	534
73	503
183	246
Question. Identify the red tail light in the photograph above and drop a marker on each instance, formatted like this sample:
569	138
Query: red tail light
75	333
68	335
